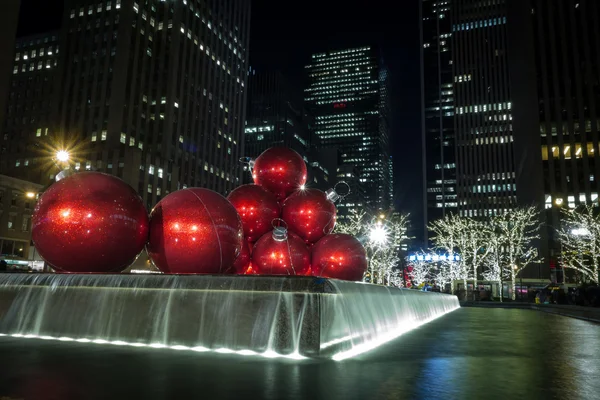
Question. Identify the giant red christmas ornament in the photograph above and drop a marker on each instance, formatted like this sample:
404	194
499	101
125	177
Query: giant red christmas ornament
309	214
257	208
280	170
194	231
339	256
242	262
280	253
90	222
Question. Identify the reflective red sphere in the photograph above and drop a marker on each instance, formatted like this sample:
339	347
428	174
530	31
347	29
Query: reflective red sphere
309	214
194	231
242	262
90	222
280	170
339	256
257	208
285	257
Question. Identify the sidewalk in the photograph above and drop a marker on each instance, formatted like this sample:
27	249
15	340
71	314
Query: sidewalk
586	313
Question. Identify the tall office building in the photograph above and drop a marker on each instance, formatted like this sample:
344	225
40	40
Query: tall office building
154	91
469	158
556	79
29	110
437	87
348	95
8	29
276	117
524	79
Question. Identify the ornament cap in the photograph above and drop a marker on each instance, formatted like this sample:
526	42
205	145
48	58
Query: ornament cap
333	195
280	233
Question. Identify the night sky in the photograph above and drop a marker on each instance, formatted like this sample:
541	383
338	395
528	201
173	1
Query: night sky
285	34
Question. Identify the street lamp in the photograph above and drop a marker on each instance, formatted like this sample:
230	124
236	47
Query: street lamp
378	235
63	156
580	232
30	195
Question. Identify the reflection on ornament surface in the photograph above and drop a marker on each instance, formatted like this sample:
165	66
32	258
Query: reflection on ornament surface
90	222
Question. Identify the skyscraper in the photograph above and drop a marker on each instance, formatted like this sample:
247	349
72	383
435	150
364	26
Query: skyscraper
437	87
349	97
154	91
521	102
556	79
469	159
8	30
276	117
29	110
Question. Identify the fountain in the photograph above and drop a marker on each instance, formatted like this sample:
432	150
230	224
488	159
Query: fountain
293	317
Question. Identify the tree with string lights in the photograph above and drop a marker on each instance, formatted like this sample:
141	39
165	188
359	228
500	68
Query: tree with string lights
579	237
382	237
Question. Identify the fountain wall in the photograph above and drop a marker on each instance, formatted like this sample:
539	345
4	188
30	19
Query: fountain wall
272	316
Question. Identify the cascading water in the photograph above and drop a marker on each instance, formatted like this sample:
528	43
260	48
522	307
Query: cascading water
271	316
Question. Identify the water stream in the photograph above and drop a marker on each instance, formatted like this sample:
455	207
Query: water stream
292	317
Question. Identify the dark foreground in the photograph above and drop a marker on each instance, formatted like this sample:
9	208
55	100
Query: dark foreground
471	353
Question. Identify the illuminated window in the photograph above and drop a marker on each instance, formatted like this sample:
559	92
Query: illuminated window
123	138
151	169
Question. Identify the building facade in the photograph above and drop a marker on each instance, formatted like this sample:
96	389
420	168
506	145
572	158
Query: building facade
9	19
559	90
525	105
276	117
485	166
437	88
28	117
469	165
17	201
348	93
153	92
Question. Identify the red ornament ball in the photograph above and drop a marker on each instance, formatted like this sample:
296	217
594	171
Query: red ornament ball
194	231
339	256
309	214
257	208
280	256
280	170
90	222
242	262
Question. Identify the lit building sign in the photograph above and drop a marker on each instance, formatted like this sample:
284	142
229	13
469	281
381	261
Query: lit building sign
433	257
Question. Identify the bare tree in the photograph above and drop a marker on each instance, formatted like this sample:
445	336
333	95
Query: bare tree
465	236
579	237
382	238
513	242
421	270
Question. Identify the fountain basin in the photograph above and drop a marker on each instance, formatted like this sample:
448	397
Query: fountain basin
272	316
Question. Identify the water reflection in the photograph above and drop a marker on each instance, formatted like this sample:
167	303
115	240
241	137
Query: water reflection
468	354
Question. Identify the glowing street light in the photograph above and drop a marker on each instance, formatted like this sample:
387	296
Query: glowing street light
378	235
62	155
580	232
30	195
